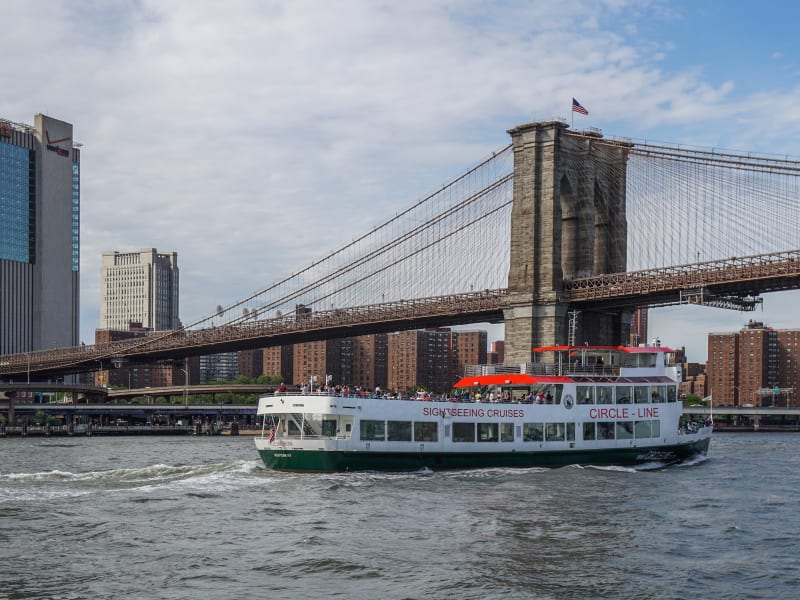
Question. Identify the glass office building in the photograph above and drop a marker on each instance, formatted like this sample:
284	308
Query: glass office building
39	235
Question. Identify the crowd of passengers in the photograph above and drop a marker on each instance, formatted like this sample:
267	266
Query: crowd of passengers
491	397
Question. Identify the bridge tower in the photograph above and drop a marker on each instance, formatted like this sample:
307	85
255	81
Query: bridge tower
568	220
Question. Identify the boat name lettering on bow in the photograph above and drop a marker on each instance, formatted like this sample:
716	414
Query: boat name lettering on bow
624	412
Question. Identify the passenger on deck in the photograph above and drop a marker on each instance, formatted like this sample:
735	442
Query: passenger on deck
540	398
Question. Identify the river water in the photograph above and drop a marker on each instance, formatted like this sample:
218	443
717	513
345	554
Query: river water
185	517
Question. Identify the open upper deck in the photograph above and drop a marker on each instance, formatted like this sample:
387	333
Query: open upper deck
580	363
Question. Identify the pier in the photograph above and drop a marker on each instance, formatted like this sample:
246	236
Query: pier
129	419
747	419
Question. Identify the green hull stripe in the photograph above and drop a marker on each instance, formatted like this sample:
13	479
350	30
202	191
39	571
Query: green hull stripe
348	460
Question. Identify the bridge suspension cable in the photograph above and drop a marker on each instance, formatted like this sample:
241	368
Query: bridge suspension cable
450	241
690	205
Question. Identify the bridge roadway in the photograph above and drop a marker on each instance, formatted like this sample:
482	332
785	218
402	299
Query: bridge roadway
725	282
732	277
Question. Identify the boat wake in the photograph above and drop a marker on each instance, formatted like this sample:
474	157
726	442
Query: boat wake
648	466
695	460
48	485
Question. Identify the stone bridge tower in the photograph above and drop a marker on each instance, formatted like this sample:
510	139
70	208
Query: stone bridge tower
568	220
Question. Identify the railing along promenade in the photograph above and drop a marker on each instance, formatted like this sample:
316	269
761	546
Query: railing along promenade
291	328
747	275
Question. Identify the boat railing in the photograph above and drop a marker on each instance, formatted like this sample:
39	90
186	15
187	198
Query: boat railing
308	436
541	368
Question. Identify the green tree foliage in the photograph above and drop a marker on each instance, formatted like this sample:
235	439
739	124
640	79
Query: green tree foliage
692	400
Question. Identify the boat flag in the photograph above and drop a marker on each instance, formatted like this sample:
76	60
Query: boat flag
576	107
271	431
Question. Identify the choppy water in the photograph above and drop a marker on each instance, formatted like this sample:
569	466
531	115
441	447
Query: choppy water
201	518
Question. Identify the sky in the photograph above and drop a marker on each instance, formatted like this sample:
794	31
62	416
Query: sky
251	137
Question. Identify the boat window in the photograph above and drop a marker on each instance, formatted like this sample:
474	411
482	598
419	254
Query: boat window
605	394
655	429
671	393
329	427
555	432
640	360
556	391
533	432
425	431
398	431
623	395
506	432
624	430
585	394
642	429
570	432
605	430
292	428
589	431
658	393
488	432
641	394
373	431
463	432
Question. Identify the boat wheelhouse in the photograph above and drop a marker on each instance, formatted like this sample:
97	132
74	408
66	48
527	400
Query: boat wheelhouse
600	405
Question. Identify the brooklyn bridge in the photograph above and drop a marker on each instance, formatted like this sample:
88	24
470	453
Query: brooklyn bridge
561	235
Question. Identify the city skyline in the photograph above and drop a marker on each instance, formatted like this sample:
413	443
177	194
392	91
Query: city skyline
239	136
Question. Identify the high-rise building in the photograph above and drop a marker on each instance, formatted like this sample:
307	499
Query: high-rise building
251	363
722	367
638	327
139	287
219	367
470	349
497	353
369	361
432	359
757	366
313	362
279	362
39	235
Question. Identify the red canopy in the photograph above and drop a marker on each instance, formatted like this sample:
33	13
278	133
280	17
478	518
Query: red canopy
510	379
628	349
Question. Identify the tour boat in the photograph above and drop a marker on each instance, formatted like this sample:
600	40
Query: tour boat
585	405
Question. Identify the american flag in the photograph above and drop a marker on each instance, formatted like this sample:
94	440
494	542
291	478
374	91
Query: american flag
576	107
271	434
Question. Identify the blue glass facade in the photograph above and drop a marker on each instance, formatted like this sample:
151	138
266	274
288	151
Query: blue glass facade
17	204
76	217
